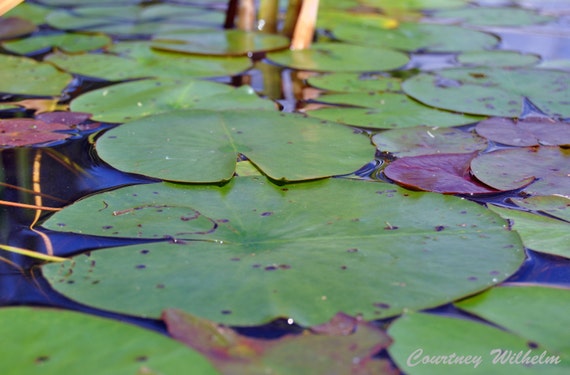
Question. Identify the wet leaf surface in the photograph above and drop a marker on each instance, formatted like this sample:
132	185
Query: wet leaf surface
24	132
14	27
355	82
495	16
554	205
326	352
497	58
251	251
54	341
206	144
508	169
527	132
441	173
67	42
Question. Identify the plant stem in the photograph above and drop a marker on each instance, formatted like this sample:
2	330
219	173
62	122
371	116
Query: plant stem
305	25
267	17
6	5
246	15
291	17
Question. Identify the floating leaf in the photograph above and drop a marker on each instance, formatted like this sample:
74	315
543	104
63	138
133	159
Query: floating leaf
21	75
355	82
553	205
492	91
494	16
427	344
416	37
118	104
40	344
14	27
526	132
139	60
508	169
441	173
28	11
497	58
538	232
385	111
220	42
250	251
340	57
425	140
416	4
66	42
65	118
203	145
324	353
520	309
23	131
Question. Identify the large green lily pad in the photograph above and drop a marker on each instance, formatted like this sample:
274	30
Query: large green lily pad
550	166
553	205
497	58
138	60
118	104
203	146
340	57
220	42
427	344
416	37
28	11
21	75
386	111
494	16
355	82
492	91
251	251
66	42
50	341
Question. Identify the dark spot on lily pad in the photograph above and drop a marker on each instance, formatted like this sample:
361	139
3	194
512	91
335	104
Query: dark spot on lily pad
41	359
226	312
353	250
142	358
145	251
270	268
382	305
140	266
267	213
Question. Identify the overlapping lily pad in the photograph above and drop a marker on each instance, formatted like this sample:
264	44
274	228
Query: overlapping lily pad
14	27
66	42
118	104
21	75
138	60
355	82
425	140
340	57
553	205
497	58
494	16
492	91
24	131
203	145
386	111
527	132
250	251
506	169
416	37
30	12
220	42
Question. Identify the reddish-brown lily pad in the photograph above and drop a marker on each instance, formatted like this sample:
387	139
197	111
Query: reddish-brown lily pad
13	27
440	173
24	132
532	131
345	345
65	118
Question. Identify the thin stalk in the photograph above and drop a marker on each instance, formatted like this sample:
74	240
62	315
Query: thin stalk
267	16
32	254
291	15
231	12
246	15
305	26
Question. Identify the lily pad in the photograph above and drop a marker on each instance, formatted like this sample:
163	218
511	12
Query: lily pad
30	12
250	251
340	57
220	42
492	91
330	350
549	165
355	82
67	42
526	132
425	140
538	232
24	131
494	16
497	58
138	60
416	37
14	27
427	344
21	75
552	205
386	111
416	4
203	145
50	341
441	173
117	103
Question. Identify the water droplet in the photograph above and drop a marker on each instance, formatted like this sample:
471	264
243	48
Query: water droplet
290	321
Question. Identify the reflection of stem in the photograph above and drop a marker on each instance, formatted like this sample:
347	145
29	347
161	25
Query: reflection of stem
31	191
31	206
15	265
36	187
231	14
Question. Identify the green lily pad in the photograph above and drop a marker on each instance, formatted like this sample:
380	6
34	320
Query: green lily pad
497	58
340	57
386	111
50	341
28	11
67	42
416	37
494	16
81	3
203	145
220	42
355	82
118	104
329	17
527	132
521	310
250	251
553	205
139	60
427	344
549	165
21	75
416	4
492	91
538	232
425	140
14	27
